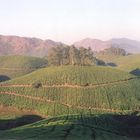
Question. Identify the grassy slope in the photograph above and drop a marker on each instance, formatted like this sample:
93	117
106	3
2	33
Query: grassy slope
75	127
107	57
10	112
121	96
76	75
104	96
129	62
14	66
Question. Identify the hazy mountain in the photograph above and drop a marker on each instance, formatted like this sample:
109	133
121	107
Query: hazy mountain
95	44
129	45
13	45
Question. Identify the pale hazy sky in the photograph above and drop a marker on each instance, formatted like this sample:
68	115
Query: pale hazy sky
70	20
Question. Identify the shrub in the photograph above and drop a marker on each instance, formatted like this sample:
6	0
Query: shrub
36	85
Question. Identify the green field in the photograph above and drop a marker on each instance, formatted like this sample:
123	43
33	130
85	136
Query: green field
73	93
15	66
79	101
108	57
74	75
129	63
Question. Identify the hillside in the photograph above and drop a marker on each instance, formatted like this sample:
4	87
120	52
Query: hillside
62	90
73	75
130	46
80	102
107	57
15	45
78	127
14	66
130	63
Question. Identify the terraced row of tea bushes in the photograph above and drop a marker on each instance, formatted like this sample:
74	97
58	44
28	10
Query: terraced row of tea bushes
124	96
75	75
72	127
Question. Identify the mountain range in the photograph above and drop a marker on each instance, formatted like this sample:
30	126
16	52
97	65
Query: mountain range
15	45
130	46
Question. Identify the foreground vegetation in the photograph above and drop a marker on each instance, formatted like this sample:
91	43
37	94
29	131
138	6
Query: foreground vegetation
81	102
74	127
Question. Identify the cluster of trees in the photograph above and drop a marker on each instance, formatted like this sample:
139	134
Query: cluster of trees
70	55
114	51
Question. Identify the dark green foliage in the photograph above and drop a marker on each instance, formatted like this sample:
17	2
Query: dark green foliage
79	127
36	85
70	55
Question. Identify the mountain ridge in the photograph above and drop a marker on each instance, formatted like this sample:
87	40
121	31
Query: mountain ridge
32	46
130	46
15	45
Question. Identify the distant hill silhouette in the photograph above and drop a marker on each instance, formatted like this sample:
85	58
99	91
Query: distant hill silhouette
15	45
130	46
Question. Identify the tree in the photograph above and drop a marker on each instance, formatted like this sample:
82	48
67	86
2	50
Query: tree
36	85
87	56
74	56
54	56
65	55
70	55
83	55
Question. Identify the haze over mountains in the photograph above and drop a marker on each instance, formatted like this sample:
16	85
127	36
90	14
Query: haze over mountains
13	45
130	46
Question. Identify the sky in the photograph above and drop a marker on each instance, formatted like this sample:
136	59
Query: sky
71	20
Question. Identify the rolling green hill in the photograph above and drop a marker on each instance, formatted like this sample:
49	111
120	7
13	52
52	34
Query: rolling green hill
74	75
73	89
81	102
130	63
108	57
14	66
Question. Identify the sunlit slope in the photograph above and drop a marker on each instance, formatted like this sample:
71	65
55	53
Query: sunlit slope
72	90
75	127
130	63
73	75
107	57
14	66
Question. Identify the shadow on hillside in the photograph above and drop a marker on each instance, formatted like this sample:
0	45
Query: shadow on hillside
4	78
112	64
79	126
136	72
12	123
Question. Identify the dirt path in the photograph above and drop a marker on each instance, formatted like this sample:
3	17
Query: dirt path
71	86
33	98
67	105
